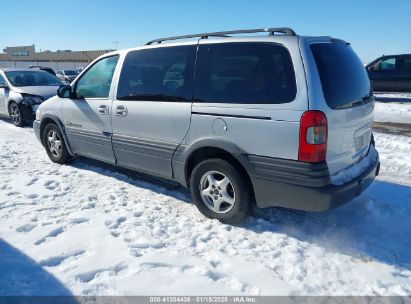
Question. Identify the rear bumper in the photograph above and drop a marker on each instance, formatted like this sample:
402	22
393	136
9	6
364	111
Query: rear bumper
309	189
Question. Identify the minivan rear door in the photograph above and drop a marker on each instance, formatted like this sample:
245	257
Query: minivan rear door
340	87
152	108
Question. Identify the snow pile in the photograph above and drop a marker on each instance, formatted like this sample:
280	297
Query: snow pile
356	170
393	112
90	229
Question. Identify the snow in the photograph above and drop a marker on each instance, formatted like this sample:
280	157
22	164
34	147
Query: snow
392	96
356	170
91	229
393	112
395	158
393	107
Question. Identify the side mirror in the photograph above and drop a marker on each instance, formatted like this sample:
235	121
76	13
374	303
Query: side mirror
371	68
65	91
3	85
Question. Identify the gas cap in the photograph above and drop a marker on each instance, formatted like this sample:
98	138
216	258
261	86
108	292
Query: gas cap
219	127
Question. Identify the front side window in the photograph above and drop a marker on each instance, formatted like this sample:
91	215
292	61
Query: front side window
32	78
245	73
161	74
388	64
96	82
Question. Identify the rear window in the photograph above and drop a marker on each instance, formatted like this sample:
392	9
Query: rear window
343	77
245	73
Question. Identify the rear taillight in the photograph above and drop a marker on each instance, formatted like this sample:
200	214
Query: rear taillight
313	137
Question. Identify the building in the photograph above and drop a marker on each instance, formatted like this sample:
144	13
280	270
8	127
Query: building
25	56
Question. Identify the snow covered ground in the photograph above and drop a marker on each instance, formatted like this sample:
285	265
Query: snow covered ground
88	229
393	107
393	112
386	96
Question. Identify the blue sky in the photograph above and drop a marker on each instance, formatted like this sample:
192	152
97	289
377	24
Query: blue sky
373	27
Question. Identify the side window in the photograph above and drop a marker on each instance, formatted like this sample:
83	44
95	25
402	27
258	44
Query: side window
406	64
96	82
161	74
388	64
2	79
245	73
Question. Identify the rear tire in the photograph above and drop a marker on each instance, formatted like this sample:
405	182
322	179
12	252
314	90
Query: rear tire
54	144
220	191
15	114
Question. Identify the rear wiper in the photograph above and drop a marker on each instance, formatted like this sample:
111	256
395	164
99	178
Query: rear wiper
358	102
367	99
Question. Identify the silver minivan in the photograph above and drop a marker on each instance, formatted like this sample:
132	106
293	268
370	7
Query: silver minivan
272	120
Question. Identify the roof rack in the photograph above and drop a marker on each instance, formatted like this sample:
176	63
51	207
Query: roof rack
271	31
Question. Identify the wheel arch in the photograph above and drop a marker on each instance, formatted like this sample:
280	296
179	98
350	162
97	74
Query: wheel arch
51	118
186	158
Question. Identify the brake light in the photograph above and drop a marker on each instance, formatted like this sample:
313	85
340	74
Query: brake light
313	137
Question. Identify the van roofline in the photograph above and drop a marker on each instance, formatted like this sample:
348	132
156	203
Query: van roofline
271	31
212	37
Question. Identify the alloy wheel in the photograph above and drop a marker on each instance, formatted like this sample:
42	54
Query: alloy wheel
217	192
54	143
15	114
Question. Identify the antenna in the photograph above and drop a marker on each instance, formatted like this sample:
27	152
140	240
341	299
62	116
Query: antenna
117	43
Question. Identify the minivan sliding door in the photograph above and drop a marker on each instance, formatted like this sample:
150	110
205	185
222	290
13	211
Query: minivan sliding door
152	108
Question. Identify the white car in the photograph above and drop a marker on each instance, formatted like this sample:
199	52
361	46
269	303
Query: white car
22	91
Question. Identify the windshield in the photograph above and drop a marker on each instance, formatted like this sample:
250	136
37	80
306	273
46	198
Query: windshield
70	72
343	77
32	78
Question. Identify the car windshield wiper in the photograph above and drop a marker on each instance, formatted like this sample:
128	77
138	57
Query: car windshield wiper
158	97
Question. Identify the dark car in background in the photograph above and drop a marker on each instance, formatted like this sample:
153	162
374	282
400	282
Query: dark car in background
391	73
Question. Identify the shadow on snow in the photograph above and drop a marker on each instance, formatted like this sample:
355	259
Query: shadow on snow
21	276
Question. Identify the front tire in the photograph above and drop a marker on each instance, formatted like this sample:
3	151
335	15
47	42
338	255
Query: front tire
54	143
220	191
15	114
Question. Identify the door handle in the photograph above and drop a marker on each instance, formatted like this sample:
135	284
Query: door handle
103	109
121	111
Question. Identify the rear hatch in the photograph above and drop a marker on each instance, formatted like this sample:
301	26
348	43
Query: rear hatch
348	103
